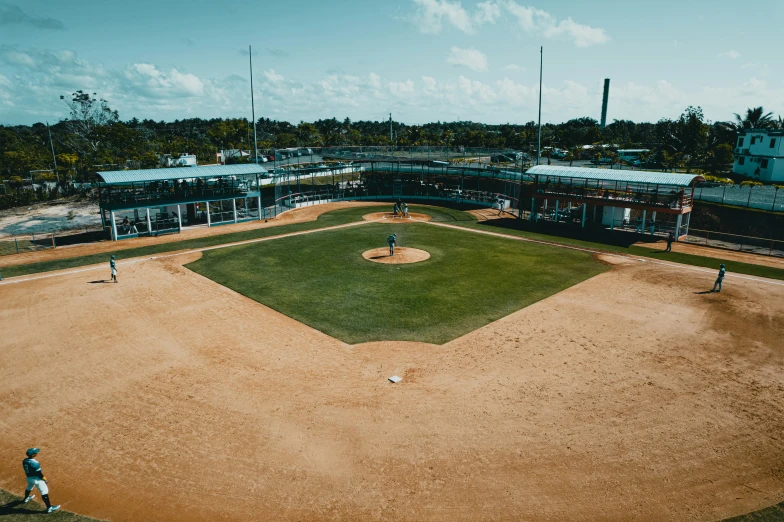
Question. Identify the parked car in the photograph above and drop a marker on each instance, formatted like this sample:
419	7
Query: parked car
601	161
270	158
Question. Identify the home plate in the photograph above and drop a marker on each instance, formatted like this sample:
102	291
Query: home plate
395	379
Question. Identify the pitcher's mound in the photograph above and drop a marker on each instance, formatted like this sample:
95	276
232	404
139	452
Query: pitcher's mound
402	255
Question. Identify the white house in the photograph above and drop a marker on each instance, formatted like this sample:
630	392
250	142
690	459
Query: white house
759	154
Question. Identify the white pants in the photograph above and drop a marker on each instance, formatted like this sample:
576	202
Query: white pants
35	482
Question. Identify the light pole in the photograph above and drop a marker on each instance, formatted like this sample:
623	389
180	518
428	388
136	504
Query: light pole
539	141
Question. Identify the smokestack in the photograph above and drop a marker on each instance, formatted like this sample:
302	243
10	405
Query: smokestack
604	101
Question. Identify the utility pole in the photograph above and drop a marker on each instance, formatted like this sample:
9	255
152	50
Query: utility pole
539	141
253	109
54	159
390	127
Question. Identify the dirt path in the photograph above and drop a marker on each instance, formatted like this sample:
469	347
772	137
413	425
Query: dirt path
718	253
170	397
293	216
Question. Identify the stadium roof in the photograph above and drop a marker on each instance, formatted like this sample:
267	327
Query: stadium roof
629	176
116	177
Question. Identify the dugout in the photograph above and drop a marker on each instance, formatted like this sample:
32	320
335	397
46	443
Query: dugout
157	201
648	202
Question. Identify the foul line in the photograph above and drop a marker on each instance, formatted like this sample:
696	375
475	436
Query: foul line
184	252
601	252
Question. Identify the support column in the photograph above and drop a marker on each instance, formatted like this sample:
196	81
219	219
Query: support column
595	207
688	219
179	217
149	222
585	207
260	210
653	221
533	207
234	208
612	218
209	221
644	223
678	226
114	225
556	211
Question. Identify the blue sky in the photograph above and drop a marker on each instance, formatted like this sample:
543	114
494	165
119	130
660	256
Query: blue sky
422	60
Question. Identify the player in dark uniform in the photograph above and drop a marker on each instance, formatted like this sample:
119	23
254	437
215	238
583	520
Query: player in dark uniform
392	240
113	266
36	479
720	278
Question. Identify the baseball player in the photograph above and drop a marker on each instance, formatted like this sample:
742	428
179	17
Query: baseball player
36	479
720	279
392	240
113	266
405	209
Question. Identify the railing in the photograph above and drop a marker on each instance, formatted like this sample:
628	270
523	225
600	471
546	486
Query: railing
765	197
755	245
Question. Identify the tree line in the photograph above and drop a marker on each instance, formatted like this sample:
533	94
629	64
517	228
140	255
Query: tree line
93	138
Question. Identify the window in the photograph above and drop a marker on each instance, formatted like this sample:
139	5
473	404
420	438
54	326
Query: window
740	142
742	160
772	142
764	164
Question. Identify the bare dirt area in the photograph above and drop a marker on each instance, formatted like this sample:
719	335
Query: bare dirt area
718	253
413	217
403	255
41	218
632	395
293	216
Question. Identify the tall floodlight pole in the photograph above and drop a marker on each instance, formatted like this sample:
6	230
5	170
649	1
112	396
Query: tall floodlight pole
253	108
539	141
390	128
54	159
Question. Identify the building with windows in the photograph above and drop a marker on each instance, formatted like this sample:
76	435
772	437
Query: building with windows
759	154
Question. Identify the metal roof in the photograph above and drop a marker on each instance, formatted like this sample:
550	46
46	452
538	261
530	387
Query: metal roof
630	176
116	177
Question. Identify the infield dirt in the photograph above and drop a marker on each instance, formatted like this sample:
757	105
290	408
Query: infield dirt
632	395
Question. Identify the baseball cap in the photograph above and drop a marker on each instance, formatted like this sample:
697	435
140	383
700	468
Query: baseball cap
721	265
112	256
33	451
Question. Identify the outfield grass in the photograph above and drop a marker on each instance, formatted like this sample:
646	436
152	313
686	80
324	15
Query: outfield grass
12	510
323	281
446	215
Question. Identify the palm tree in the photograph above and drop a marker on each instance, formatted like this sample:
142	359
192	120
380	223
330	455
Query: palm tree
572	154
754	119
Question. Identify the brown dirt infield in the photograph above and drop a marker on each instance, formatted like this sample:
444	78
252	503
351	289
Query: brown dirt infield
412	217
402	255
632	395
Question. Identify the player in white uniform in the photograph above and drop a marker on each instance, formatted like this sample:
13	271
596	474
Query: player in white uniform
36	479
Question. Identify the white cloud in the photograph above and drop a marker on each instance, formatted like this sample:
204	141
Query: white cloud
401	88
514	67
375	80
537	21
731	54
430	85
487	12
431	14
471	58
272	76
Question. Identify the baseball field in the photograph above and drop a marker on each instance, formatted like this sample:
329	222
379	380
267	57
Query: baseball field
249	381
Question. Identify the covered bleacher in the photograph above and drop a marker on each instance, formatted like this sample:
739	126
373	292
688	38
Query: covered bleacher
158	201
650	202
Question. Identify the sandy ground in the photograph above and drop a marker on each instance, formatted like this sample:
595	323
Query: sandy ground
48	217
633	395
718	253
293	216
402	255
